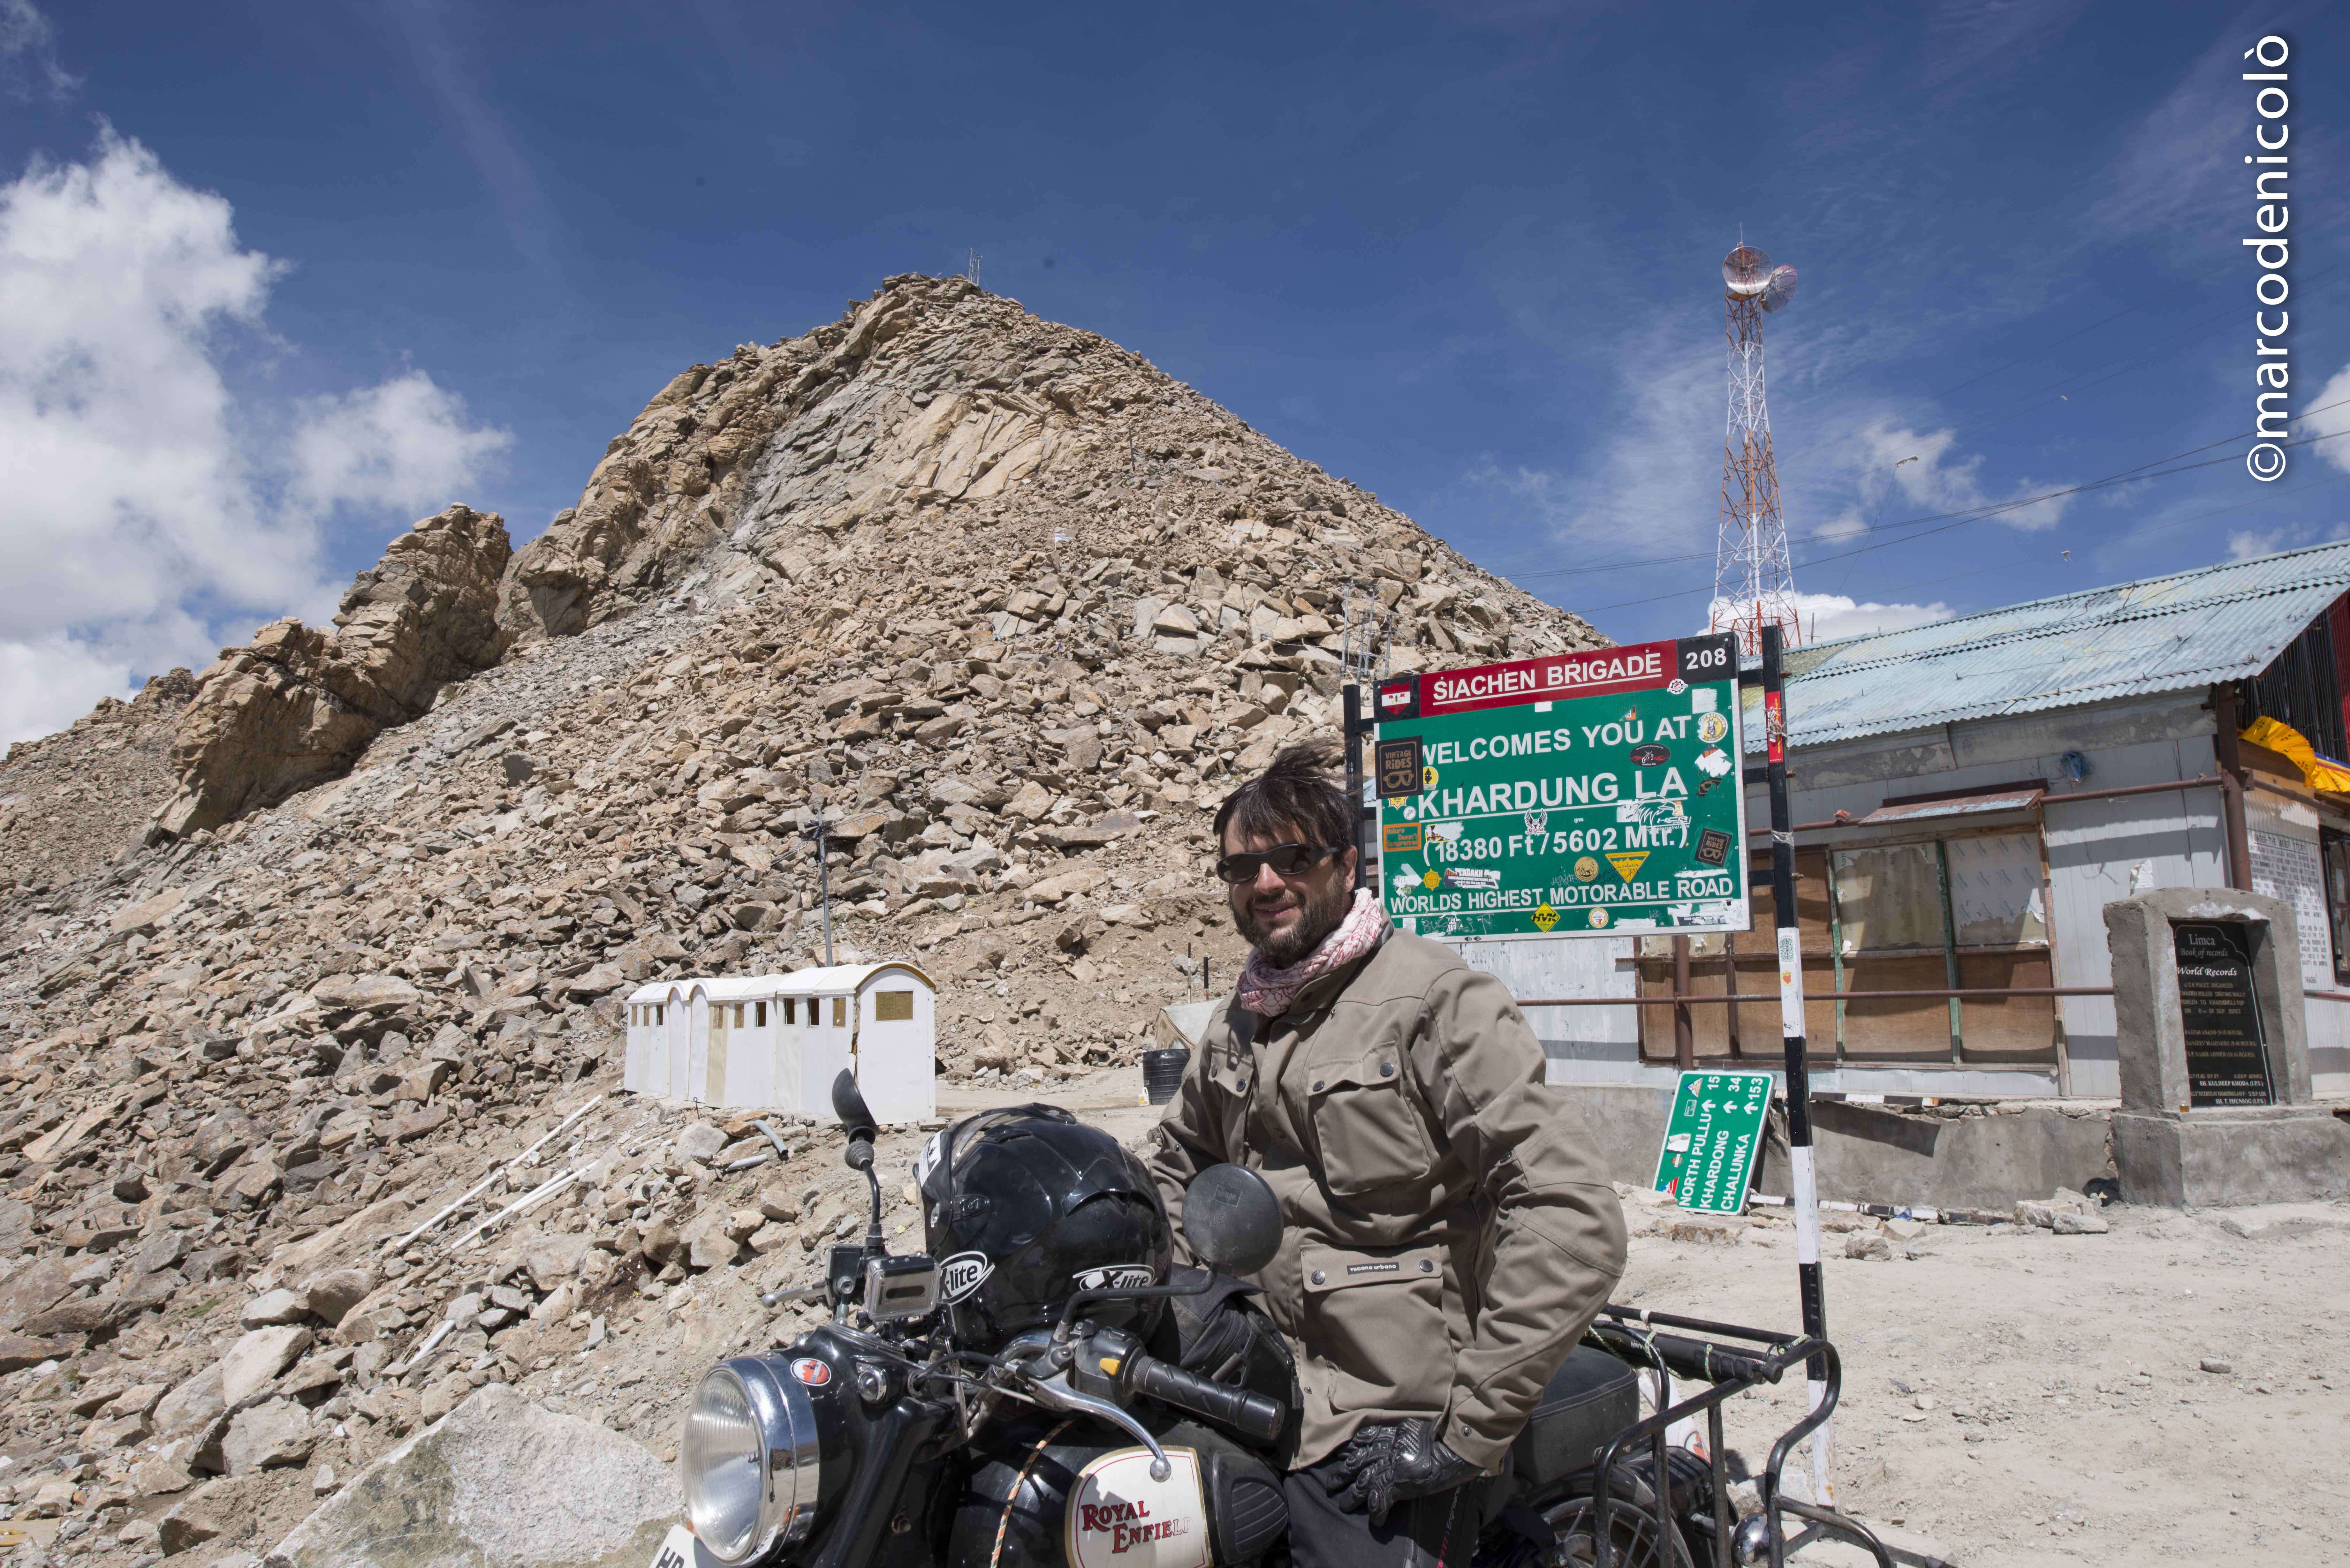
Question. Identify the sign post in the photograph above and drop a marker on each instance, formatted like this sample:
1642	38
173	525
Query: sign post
1584	794
1805	1190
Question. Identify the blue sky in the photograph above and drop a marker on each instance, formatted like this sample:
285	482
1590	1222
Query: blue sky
276	278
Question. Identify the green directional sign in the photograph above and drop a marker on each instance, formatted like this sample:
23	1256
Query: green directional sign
1713	1139
1585	794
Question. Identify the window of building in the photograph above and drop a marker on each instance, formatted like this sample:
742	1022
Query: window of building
791	1009
1960	911
840	1013
893	1006
763	1015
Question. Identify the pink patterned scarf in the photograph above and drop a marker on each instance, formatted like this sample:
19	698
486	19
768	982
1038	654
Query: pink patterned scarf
1268	991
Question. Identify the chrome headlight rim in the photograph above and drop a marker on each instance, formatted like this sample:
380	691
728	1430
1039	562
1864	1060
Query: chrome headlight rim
790	1470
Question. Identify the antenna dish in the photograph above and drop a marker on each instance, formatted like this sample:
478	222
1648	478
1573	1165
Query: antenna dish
1746	270
1780	287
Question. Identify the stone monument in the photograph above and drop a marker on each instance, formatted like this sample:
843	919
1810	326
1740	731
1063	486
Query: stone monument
2216	1105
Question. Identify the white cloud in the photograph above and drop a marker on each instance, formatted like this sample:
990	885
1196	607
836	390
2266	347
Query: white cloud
1655	481
2244	544
48	683
1827	617
148	514
399	447
1920	472
2331	417
28	58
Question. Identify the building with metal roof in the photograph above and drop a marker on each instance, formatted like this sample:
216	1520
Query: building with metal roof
2178	633
1970	794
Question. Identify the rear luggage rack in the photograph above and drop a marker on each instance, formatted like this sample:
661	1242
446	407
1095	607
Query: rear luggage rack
1670	1347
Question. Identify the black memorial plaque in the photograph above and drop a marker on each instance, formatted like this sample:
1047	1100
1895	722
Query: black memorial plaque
2226	1060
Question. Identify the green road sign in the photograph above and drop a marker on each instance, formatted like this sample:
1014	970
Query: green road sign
1713	1139
1586	794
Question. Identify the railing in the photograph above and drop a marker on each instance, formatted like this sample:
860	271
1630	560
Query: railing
1963	993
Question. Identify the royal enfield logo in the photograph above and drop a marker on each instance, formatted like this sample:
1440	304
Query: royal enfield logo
1117	1277
1118	1517
1127	1524
964	1273
813	1373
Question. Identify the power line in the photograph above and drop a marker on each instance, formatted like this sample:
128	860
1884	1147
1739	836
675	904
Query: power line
1968	515
2125	478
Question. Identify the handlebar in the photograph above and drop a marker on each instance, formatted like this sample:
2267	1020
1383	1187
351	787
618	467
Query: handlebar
1251	1415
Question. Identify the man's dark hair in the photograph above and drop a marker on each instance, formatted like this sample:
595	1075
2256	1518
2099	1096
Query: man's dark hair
1295	793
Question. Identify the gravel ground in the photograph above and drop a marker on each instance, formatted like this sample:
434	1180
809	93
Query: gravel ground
2027	1398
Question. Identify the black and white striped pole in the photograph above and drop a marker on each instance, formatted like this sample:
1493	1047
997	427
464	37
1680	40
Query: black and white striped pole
1804	1190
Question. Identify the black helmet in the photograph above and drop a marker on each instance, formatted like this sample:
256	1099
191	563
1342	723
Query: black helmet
1026	1206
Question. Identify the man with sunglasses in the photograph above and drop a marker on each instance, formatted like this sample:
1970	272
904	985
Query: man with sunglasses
1451	1227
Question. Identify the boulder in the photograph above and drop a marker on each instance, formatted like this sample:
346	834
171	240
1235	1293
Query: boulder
272	1435
256	1359
710	1246
330	1296
499	1480
192	1403
297	705
271	1308
376	993
222	1138
36	1287
146	913
191	1522
18	1351
701	1141
552	1259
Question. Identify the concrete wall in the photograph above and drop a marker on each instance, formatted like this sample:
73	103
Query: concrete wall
1867	1154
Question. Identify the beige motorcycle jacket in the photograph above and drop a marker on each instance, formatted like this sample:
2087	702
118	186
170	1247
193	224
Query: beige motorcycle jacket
1450	1226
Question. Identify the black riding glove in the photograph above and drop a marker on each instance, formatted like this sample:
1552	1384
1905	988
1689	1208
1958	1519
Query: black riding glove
1388	1462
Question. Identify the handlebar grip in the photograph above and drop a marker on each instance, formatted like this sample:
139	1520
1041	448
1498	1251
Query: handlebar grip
1251	1415
1695	1359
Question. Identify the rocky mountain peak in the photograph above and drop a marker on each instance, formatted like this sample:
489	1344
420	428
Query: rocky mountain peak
310	1119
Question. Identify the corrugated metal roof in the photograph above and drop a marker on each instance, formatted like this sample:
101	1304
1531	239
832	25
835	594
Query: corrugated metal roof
2162	634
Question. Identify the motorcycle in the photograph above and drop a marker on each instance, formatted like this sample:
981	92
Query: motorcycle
915	1430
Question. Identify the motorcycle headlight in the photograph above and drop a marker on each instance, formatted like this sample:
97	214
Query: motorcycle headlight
749	1458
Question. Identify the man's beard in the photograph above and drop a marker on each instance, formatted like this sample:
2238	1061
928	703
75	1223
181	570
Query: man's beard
1323	912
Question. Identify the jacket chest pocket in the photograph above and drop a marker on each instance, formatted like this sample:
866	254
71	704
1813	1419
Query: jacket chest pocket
1375	1321
1369	1129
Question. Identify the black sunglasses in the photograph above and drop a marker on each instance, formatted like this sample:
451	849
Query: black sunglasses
1287	860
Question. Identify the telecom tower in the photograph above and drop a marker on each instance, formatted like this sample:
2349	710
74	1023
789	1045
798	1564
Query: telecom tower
1753	581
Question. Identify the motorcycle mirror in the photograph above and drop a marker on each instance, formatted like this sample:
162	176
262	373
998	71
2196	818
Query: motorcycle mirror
849	1107
1231	1220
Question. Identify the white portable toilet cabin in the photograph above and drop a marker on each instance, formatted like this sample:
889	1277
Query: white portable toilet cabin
778	1041
879	1021
710	1041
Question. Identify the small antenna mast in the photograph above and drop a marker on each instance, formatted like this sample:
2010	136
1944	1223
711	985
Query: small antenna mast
973	273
